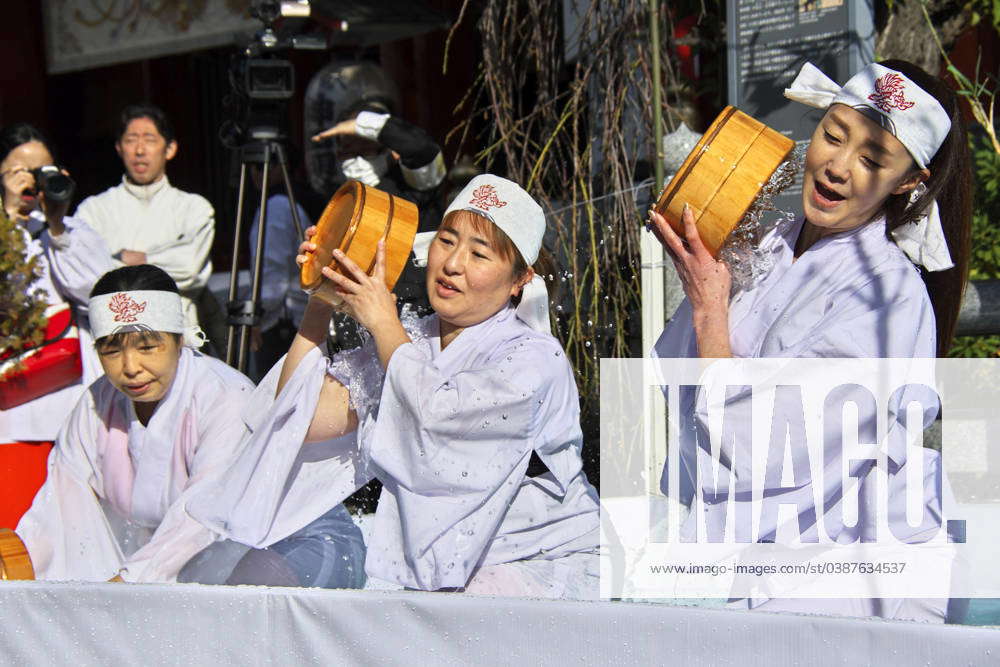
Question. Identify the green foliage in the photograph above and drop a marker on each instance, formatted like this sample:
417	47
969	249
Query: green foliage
987	11
22	304
984	262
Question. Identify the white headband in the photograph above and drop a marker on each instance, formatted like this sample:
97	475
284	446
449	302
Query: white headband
509	207
140	310
914	117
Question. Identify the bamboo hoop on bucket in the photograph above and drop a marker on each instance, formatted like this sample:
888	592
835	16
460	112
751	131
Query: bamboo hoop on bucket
723	175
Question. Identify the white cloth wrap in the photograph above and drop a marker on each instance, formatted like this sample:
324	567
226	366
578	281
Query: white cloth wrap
915	118
426	177
369	124
369	172
141	310
923	240
533	309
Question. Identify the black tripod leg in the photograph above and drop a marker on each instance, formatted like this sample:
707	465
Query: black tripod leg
234	277
257	263
283	163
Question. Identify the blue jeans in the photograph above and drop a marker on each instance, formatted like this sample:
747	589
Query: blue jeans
327	553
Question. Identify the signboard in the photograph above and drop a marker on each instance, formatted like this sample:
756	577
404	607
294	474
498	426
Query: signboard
81	34
769	40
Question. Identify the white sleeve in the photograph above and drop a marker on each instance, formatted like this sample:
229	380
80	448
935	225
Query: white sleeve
89	212
451	453
179	536
277	484
65	530
189	262
77	259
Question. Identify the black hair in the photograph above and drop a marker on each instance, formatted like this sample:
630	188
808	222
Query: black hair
126	279
153	113
17	134
950	184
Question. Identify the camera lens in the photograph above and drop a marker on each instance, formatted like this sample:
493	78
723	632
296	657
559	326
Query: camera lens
57	186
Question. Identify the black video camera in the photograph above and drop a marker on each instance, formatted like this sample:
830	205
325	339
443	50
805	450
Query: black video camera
261	81
57	186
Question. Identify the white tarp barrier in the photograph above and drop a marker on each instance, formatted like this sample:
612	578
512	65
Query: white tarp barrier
155	624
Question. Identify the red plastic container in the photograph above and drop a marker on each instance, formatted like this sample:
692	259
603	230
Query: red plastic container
54	364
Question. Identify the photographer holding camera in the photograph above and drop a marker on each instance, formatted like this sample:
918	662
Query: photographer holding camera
70	257
27	169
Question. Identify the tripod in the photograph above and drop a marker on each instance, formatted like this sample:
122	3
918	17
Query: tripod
244	314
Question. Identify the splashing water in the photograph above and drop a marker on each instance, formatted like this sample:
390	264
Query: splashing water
361	374
742	251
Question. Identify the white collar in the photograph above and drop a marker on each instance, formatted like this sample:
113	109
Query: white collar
145	193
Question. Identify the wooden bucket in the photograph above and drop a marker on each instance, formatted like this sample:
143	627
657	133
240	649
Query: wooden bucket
15	563
354	220
722	176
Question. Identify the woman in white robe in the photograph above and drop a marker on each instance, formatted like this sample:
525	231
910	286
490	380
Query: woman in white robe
446	412
162	423
840	284
71	257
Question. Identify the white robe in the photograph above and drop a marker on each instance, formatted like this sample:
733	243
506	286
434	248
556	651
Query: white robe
174	228
115	493
452	441
449	434
849	295
852	295
69	265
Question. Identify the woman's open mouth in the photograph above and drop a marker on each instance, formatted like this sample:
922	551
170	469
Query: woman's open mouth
825	197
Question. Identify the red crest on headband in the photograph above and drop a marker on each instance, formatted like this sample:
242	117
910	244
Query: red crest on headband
888	93
125	307
485	196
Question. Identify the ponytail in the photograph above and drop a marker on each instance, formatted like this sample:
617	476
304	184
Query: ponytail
950	184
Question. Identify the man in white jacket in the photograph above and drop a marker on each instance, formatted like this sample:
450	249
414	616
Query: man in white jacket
144	219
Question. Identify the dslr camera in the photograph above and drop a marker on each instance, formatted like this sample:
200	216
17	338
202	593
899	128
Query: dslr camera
57	186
